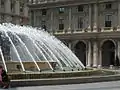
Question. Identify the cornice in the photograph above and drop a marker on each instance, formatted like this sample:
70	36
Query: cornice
95	35
58	3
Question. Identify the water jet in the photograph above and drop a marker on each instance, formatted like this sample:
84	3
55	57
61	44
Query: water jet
24	48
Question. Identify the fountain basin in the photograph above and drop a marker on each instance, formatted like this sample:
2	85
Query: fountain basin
14	66
66	74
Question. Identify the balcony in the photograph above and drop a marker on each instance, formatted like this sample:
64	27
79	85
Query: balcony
86	30
45	1
85	34
108	29
68	31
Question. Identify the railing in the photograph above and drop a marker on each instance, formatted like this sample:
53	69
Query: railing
44	1
67	31
86	30
108	29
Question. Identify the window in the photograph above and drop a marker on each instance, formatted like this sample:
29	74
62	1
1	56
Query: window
21	21
108	20
2	18
43	25
61	10
21	7
80	8
61	24
13	19
12	6
108	6
2	3
44	11
32	18
80	22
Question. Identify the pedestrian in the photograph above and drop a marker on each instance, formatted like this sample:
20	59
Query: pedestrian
117	61
1	82
4	78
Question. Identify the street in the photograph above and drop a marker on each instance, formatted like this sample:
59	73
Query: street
114	85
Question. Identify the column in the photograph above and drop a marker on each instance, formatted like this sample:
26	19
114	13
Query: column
118	49
25	10
70	45
7	6
52	20
0	14
90	18
17	7
95	24
118	27
17	11
0	4
89	54
34	17
70	18
95	53
74	25
100	58
117	53
7	10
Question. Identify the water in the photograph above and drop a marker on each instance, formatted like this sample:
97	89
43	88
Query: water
24	48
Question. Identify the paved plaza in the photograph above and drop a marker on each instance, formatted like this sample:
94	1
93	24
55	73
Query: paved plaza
114	85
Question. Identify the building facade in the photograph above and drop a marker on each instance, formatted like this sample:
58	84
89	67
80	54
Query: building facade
14	11
90	28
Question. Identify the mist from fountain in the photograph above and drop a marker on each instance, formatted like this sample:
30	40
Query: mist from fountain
25	48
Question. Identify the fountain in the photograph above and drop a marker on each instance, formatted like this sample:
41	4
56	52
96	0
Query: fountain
28	49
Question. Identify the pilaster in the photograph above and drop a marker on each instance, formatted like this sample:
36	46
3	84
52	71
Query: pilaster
17	11
95	24
100	57
118	27
52	20
89	54
118	48
90	18
95	53
25	10
7	10
70	45
34	18
25	13
70	18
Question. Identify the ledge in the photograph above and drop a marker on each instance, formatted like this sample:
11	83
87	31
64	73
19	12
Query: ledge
61	81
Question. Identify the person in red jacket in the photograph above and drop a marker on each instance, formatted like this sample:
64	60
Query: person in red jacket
4	80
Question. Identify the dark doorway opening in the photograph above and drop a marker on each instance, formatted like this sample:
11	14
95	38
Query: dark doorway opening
80	51
108	53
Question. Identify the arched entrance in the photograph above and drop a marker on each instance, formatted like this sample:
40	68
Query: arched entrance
108	53
80	51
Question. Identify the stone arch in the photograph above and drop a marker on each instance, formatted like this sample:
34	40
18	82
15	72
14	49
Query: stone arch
76	41
101	43
108	52
80	51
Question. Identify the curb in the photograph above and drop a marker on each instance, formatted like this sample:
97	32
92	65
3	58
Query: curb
62	81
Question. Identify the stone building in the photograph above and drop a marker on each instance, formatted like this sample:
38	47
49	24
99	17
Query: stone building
90	28
14	11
